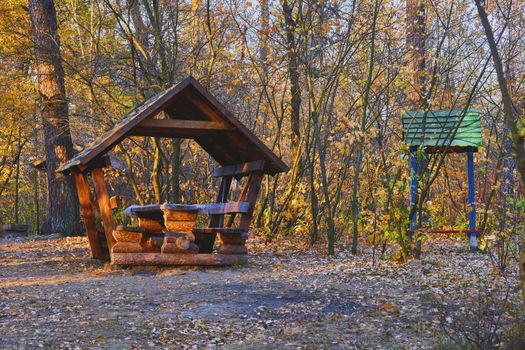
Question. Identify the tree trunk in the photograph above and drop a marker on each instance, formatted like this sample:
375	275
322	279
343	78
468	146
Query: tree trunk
416	51
62	205
17	179
293	73
264	22
175	170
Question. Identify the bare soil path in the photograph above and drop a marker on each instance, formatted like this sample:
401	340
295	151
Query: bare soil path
53	296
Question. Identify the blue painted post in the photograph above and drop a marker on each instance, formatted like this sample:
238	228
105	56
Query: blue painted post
413	186
471	199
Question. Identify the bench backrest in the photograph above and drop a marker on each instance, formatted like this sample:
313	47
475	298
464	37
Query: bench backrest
245	202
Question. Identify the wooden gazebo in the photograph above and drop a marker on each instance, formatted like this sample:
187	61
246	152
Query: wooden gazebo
167	236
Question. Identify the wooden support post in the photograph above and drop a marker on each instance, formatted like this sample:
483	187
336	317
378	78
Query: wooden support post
254	183
89	215
104	205
217	220
471	199
413	187
242	198
222	197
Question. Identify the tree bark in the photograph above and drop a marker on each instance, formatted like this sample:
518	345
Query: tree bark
293	73
416	50
62	205
264	22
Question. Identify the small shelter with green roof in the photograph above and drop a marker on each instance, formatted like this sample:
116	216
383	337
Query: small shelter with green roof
445	131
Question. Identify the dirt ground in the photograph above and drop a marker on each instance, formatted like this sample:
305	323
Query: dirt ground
53	296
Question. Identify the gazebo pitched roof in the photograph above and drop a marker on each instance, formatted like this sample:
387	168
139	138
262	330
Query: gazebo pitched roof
455	128
193	113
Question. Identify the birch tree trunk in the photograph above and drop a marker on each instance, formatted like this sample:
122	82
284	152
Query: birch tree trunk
62	205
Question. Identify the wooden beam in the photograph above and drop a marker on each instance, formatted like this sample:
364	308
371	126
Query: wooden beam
89	215
149	108
203	107
239	170
176	127
143	259
275	165
255	180
104	205
242	197
216	220
225	208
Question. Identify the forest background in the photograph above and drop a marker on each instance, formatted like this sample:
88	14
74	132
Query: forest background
323	83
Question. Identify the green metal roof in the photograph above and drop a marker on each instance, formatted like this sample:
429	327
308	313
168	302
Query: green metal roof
438	128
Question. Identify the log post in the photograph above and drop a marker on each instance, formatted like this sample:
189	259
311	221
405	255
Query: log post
89	214
235	243
127	239
206	242
104	205
254	184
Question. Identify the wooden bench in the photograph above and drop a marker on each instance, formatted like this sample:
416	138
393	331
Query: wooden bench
232	236
223	213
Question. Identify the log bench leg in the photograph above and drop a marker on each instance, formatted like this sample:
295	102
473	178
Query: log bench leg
178	242
127	240
233	243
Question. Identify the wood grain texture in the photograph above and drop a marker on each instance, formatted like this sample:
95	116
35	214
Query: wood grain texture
90	217
104	205
239	170
145	259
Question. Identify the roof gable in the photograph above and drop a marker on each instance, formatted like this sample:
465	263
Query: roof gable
454	128
193	113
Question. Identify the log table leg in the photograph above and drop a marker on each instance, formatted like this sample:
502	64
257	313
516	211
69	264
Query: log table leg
233	243
179	220
177	242
127	239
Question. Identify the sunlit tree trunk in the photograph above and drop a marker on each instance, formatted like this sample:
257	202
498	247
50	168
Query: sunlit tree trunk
264	21
293	76
17	179
416	51
62	205
195	4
